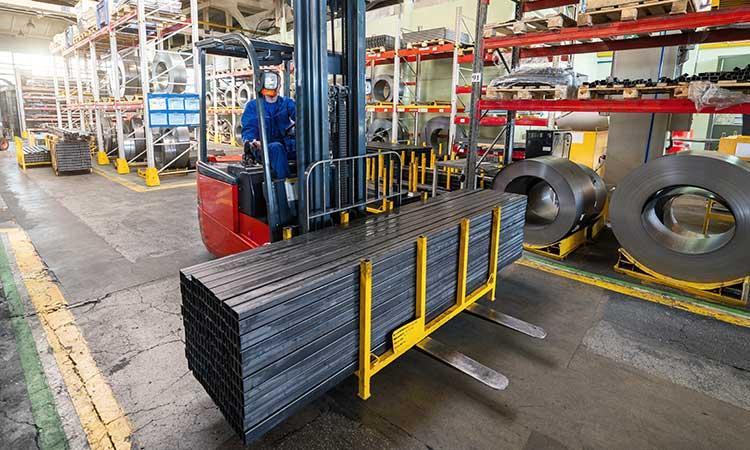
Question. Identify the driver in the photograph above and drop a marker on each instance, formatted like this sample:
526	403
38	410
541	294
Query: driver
280	117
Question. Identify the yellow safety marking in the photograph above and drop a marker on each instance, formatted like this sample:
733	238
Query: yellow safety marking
640	292
138	187
724	45
101	416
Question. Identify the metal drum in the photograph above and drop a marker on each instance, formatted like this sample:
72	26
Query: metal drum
563	196
173	145
168	73
658	215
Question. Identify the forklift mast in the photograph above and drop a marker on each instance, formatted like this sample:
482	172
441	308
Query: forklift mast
314	66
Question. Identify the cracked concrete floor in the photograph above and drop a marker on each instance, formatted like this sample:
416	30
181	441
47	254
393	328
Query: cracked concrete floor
613	373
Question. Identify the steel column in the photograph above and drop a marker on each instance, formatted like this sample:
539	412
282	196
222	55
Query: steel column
477	77
152	178
114	84
95	92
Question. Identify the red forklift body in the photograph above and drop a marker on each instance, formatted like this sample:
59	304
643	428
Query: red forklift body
225	229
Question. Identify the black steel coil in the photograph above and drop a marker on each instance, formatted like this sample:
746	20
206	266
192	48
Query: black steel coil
643	220
563	196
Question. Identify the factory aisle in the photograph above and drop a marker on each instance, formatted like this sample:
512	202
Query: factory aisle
613	373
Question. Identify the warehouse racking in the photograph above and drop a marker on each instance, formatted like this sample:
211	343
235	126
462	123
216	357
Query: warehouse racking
409	60
134	30
722	25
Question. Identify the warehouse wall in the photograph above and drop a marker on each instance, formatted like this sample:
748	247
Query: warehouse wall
705	58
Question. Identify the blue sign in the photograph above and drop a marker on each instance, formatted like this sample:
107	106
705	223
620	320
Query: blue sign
173	110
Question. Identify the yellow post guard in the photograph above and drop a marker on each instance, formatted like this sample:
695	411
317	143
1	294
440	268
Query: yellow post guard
412	333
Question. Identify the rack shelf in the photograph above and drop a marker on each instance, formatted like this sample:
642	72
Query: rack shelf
386	108
500	121
672	106
571	38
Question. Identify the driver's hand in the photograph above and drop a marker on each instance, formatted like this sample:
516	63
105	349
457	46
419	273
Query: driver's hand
255	144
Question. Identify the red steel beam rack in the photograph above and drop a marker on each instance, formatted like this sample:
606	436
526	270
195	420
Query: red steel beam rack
672	106
608	31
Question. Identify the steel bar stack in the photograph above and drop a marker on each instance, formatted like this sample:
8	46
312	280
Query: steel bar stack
72	154
380	41
435	34
269	330
36	154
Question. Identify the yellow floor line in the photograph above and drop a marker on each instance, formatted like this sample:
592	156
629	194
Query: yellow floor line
138	187
717	312
101	416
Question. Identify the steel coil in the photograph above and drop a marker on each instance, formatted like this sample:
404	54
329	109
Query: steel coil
380	131
563	196
658	215
244	94
382	88
238	133
109	136
135	140
173	147
436	131
168	73
127	77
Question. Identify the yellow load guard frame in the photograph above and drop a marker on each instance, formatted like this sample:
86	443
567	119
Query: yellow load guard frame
21	157
414	332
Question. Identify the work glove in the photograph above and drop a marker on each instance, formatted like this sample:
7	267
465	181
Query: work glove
248	155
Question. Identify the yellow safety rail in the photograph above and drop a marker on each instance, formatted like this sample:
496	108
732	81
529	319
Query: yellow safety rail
409	335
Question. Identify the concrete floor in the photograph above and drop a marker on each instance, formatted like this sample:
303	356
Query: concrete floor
613	373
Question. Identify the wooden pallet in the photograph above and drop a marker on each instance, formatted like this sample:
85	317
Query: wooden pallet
628	10
428	43
551	22
529	92
634	92
122	11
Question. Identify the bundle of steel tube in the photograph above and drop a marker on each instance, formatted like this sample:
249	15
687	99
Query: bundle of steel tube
269	330
72	155
36	154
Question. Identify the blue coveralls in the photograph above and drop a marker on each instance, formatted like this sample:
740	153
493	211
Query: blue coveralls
279	117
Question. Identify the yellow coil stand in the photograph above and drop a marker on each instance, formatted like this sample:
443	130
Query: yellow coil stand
122	166
560	250
151	175
409	335
101	158
732	293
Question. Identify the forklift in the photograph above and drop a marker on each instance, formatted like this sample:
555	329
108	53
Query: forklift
240	206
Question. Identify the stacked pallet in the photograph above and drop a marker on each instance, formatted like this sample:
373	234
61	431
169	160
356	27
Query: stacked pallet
71	154
269	330
36	154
